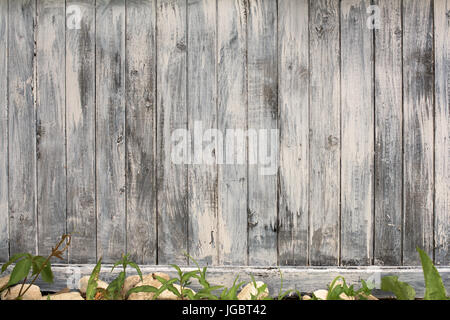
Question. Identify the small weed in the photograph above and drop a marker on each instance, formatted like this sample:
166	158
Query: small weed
38	265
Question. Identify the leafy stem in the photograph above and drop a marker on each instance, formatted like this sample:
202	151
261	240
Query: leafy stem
56	252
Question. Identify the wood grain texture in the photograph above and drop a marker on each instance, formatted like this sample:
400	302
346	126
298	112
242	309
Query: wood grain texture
262	115
202	116
4	221
80	128
171	115
110	130
442	132
357	129
388	135
22	127
232	114
418	92
51	123
88	116
293	55
141	130
324	132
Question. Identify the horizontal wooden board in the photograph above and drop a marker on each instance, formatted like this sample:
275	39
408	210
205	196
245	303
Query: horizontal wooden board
304	279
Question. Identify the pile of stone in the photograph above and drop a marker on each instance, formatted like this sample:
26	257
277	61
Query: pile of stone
34	293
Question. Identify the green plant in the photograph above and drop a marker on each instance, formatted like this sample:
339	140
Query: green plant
231	293
114	291
434	287
92	283
184	279
260	291
281	293
38	265
402	290
206	292
335	290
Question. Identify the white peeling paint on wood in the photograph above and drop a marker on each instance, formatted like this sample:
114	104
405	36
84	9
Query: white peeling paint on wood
324	185
171	115
262	114
442	132
202	116
418	140
293	55
110	130
357	128
232	114
22	127
141	130
4	221
107	96
50	123
80	130
388	131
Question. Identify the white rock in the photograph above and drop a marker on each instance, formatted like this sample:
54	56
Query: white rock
343	296
4	281
148	280
169	295
321	294
82	285
249	290
129	283
34	293
65	296
306	297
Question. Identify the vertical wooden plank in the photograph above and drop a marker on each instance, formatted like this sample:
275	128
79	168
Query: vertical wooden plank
80	126
171	116
262	115
442	133
418	92
51	119
232	114
202	116
293	46
357	118
388	134
4	221
110	131
141	130
325	132
22	127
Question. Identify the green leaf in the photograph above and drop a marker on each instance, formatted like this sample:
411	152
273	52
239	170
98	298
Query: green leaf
186	276
180	273
174	290
115	287
402	290
46	272
20	271
92	283
13	259
135	266
188	293
142	289
434	287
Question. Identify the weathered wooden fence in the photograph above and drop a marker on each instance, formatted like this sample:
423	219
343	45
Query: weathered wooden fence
92	91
